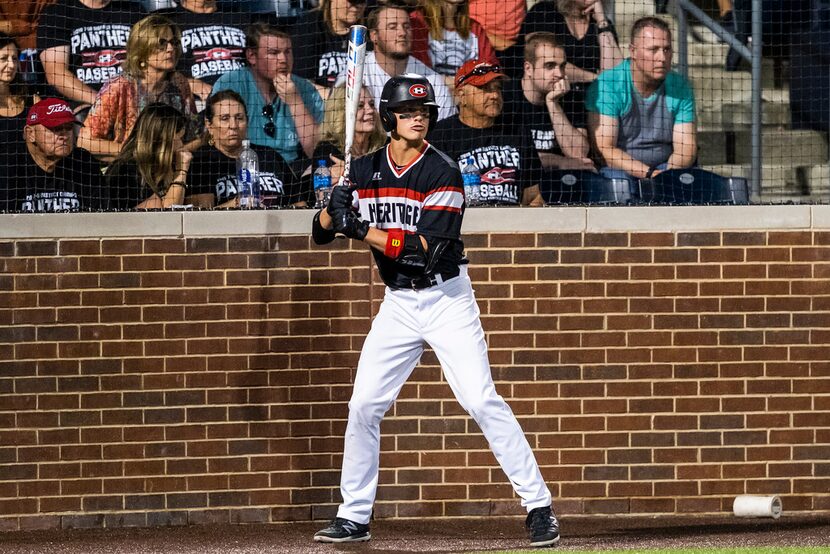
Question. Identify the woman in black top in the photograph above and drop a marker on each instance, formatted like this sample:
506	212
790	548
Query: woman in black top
151	169
580	26
214	181
14	98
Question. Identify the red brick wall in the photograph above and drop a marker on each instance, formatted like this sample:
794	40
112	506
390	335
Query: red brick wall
195	380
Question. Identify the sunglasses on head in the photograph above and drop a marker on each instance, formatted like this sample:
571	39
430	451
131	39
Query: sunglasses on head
482	69
269	128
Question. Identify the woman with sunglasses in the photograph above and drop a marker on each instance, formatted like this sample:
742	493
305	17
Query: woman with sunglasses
368	131
150	76
213	178
325	37
444	36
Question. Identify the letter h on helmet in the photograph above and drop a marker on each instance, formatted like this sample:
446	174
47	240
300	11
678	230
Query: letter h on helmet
406	89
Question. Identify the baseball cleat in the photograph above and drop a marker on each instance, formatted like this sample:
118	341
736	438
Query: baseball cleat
343	530
543	527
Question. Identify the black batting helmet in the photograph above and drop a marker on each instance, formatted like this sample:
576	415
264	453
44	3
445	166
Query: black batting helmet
409	88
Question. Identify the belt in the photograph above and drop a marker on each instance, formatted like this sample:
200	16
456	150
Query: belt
431	279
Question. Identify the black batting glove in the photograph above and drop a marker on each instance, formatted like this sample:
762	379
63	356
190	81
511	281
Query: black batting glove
341	199
348	224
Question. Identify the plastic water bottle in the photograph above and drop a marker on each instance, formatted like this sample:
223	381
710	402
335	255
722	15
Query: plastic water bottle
322	184
247	177
472	182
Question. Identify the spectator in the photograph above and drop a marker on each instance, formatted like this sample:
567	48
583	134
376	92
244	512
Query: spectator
83	43
283	109
501	19
536	103
50	174
213	176
583	30
504	155
642	114
149	76
391	34
151	170
368	131
444	36
14	97
213	41
325	34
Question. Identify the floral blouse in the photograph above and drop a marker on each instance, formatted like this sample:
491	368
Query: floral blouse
121	99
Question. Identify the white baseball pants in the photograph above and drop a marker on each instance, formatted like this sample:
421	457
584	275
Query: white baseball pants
446	317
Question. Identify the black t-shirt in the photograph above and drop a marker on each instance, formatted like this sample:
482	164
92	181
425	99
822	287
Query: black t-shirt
425	197
212	172
11	137
97	39
212	43
520	114
504	155
126	186
583	53
319	55
75	185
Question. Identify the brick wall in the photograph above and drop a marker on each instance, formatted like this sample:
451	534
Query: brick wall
166	380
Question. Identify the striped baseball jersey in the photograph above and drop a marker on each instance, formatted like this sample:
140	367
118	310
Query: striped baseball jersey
424	197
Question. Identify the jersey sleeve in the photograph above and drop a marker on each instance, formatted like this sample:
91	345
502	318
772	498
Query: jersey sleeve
604	96
443	206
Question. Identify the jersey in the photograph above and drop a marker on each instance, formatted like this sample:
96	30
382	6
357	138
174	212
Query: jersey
425	197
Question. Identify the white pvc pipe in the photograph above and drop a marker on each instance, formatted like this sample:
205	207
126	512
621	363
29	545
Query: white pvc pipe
747	505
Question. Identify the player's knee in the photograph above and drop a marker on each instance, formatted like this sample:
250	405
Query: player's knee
366	411
481	407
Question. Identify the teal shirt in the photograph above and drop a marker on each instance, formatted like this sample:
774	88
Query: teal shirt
286	141
645	124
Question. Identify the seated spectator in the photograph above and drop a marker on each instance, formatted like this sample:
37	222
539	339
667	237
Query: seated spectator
82	44
213	41
149	76
391	34
444	36
368	131
325	35
538	102
641	114
49	174
213	177
583	30
151	171
284	110
501	19
15	99
503	154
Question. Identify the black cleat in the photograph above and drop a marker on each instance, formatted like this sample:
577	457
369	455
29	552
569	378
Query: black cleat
543	527
343	530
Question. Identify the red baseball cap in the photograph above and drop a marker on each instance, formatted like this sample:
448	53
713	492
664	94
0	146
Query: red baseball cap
51	113
477	73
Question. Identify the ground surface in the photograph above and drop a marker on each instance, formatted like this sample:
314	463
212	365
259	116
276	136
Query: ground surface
432	535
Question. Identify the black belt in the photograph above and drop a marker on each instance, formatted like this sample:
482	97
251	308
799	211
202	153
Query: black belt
431	279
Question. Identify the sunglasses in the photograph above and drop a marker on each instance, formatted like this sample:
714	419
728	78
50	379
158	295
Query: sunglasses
356	2
482	69
269	128
163	43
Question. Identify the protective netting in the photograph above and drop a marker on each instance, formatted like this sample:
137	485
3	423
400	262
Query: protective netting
123	105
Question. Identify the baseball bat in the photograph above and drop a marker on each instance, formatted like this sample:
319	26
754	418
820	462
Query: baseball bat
354	83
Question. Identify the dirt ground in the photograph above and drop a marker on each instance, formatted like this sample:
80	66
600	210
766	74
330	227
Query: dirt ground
432	535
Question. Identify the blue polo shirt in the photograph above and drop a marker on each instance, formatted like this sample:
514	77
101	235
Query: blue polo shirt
286	141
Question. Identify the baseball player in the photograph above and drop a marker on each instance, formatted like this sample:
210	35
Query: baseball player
410	201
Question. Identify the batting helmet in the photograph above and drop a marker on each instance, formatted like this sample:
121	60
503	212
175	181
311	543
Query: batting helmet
409	88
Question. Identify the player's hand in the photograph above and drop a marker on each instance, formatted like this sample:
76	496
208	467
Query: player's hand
348	224
341	199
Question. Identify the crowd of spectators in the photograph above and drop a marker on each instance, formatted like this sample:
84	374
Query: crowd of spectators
525	95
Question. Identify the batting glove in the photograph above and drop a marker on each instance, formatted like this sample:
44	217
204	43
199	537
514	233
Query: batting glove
348	224
341	199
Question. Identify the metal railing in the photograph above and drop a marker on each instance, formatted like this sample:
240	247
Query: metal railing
753	56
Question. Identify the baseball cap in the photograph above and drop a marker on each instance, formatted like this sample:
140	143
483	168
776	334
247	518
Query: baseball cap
477	73
51	113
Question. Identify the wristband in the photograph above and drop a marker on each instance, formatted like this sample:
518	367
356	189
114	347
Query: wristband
394	243
608	27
